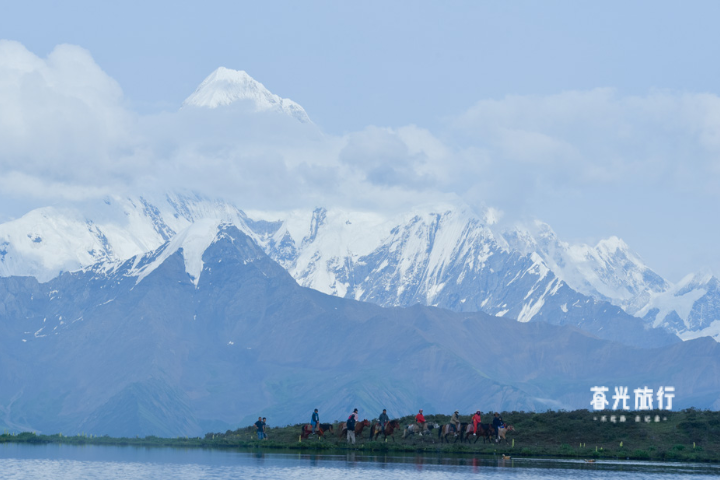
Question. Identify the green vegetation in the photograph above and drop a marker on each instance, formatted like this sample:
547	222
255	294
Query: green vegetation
689	435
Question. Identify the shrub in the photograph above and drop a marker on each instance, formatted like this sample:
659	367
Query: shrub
641	454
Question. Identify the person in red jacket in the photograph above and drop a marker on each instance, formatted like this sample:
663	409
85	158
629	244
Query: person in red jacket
476	421
420	421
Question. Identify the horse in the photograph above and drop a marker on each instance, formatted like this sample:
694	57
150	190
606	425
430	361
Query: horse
485	430
503	431
389	431
320	429
342	428
411	429
307	430
447	429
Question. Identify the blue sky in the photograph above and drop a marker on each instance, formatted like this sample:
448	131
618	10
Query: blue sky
600	118
353	64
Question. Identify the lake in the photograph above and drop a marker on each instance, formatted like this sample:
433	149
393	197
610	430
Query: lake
21	461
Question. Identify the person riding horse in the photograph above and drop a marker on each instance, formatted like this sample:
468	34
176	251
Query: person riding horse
420	421
455	422
315	420
383	419
476	419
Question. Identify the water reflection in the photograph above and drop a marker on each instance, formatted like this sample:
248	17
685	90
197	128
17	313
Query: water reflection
70	462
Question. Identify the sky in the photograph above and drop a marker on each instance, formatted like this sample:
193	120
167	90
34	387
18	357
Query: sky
599	118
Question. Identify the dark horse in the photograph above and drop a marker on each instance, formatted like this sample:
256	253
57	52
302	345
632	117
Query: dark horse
485	430
389	431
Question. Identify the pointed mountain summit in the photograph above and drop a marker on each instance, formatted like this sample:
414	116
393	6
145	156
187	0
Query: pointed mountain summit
225	86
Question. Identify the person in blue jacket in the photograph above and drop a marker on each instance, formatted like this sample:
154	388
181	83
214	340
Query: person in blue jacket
315	420
498	424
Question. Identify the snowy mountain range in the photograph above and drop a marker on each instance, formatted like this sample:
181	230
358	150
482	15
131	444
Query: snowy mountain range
206	332
439	255
444	255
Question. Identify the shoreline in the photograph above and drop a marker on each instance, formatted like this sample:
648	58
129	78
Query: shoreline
686	436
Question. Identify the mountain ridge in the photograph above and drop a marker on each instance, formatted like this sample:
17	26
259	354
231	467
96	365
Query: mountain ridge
168	356
431	255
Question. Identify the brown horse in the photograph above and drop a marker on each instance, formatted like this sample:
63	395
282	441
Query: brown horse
504	431
485	431
306	431
320	429
389	431
342	428
447	429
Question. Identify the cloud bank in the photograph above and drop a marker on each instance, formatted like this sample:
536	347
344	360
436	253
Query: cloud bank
66	133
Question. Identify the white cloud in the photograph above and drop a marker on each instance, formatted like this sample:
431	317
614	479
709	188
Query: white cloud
598	135
61	117
65	133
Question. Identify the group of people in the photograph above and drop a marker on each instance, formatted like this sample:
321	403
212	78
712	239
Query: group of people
261	424
351	422
420	421
477	420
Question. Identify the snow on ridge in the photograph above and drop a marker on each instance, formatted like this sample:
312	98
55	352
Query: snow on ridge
225	86
50	240
607	271
193	241
712	331
329	242
412	255
680	298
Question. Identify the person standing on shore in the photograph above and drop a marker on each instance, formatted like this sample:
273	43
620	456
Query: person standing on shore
259	425
264	432
351	422
315	420
498	424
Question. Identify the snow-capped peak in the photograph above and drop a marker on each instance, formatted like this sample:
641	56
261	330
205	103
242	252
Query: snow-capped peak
611	245
225	86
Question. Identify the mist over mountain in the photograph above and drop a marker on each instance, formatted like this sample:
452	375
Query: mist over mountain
207	332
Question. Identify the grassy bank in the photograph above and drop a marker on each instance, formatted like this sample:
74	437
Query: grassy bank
689	435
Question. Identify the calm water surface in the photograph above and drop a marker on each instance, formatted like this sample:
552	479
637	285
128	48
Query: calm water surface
78	462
